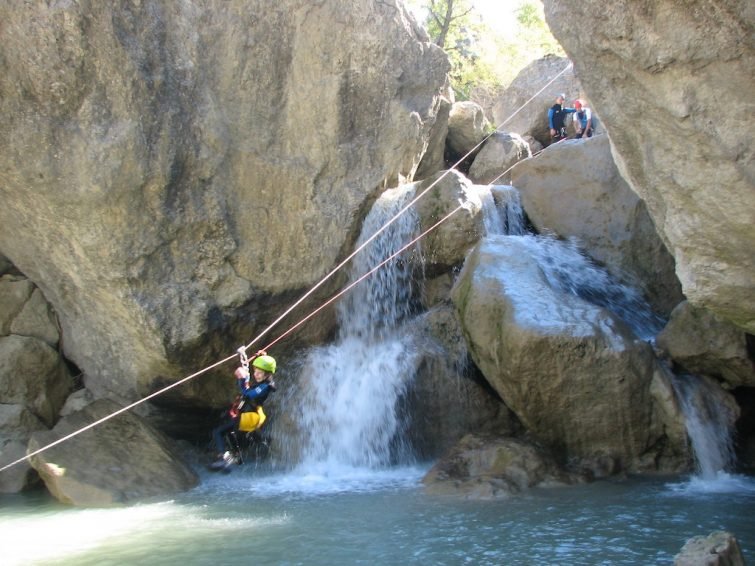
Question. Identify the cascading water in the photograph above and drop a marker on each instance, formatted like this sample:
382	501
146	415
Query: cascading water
349	390
709	423
708	419
501	210
565	266
351	393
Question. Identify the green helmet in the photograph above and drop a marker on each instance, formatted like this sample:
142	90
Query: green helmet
266	363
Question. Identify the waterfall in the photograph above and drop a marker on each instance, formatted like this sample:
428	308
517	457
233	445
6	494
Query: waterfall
709	421
501	209
347	403
565	266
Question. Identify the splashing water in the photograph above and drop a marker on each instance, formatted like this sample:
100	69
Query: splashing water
709	425
567	268
350	389
501	210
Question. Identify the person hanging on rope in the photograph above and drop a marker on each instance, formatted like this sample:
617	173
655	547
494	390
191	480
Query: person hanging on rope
246	414
556	119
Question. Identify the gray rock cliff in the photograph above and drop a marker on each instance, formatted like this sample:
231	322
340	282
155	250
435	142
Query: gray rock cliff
673	85
169	171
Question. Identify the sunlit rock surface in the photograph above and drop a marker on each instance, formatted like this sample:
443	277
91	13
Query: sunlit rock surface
171	170
573	189
126	460
673	85
573	372
717	548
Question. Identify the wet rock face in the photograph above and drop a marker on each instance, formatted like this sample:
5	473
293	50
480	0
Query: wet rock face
674	89
174	168
703	343
573	372
486	467
574	190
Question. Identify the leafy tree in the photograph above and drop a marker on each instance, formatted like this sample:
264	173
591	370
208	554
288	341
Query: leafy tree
484	62
455	26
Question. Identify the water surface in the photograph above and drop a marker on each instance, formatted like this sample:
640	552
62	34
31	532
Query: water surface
366	517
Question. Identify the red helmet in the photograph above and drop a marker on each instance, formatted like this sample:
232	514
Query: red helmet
578	104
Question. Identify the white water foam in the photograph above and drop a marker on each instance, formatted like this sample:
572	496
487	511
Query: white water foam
347	402
64	534
720	483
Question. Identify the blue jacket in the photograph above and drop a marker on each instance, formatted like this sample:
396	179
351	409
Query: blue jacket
257	394
557	115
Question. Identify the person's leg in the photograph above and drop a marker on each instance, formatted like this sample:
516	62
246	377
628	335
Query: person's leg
218	434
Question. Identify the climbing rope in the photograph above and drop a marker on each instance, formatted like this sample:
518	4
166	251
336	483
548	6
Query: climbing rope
241	352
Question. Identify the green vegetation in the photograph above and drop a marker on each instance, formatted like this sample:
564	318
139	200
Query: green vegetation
484	61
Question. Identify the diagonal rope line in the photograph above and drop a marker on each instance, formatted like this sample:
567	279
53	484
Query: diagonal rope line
400	212
308	293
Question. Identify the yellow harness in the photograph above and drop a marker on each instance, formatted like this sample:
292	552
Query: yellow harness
252	420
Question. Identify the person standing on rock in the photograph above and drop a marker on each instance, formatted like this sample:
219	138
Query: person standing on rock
557	118
246	414
582	120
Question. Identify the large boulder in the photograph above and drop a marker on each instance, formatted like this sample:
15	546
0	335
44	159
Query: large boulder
448	243
701	342
34	375
674	90
467	127
488	466
573	372
17	424
126	460
434	159
498	154
575	190
719	548
178	170
447	397
517	111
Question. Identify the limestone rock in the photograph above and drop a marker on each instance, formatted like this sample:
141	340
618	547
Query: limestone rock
14	293
571	371
19	477
5	265
672	86
448	399
448	244
702	342
467	126
532	120
17	424
34	375
76	401
499	153
719	548
485	466
434	159
36	319
575	190
178	170
127	459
